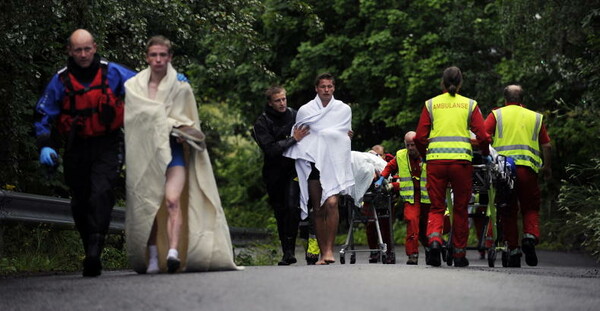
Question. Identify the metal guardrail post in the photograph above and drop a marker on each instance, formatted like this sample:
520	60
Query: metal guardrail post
24	207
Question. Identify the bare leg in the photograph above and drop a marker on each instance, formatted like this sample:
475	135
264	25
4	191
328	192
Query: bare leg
173	189
319	216
332	218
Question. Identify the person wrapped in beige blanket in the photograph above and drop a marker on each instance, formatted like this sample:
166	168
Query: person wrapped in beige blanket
174	219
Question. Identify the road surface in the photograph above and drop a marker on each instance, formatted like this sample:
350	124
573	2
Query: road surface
562	281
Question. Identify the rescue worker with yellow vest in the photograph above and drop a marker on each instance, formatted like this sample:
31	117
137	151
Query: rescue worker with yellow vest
413	178
85	100
520	133
443	136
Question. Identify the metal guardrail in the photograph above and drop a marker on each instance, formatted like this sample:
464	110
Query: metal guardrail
25	207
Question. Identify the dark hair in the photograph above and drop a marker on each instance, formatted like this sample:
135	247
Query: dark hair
513	93
276	89
160	40
324	76
452	80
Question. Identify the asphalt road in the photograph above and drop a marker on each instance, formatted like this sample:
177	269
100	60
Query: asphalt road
562	281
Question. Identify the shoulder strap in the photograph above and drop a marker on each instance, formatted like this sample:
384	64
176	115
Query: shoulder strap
66	80
104	70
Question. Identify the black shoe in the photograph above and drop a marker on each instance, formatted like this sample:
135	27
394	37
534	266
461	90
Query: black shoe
413	259
434	254
461	262
311	259
92	266
173	264
427	255
374	257
528	247
389	259
514	260
287	260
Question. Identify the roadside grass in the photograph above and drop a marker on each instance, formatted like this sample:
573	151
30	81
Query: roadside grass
43	248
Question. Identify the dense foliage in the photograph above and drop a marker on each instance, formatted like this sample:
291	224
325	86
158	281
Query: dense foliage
579	204
387	55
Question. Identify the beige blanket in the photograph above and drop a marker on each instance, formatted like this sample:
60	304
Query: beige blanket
205	243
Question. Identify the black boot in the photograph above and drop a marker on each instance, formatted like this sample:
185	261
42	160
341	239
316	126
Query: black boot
514	259
461	262
92	266
528	247
435	251
291	256
374	257
288	246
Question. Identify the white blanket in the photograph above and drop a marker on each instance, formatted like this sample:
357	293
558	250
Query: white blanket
365	166
205	243
327	146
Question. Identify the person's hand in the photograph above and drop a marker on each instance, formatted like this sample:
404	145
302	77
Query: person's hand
47	156
379	182
350	134
301	132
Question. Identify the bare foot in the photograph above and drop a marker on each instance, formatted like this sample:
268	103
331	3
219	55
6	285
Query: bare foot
321	262
328	259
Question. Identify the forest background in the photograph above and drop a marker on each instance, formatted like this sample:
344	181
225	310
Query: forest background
387	56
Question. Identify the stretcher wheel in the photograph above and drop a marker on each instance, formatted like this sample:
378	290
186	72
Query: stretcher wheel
504	259
491	257
342	259
353	258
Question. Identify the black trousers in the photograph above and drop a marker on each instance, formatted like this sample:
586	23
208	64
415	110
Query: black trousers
284	198
92	167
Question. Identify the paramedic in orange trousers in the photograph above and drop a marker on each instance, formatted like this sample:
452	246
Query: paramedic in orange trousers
520	133
443	135
412	173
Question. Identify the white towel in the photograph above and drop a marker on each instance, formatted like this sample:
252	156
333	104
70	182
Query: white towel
327	146
365	166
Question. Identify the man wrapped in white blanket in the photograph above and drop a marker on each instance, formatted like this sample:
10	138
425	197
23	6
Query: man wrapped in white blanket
323	161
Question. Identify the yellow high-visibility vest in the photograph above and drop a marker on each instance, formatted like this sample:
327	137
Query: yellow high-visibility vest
407	189
517	135
449	138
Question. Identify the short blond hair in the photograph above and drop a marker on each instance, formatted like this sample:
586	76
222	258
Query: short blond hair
160	40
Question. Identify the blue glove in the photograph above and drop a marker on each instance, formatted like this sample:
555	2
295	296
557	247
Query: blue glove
379	182
487	159
47	156
181	77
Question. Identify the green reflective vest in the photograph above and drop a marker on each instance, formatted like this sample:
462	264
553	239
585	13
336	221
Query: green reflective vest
517	135
407	189
449	138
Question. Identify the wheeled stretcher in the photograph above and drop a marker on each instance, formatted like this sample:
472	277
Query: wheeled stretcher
493	181
379	202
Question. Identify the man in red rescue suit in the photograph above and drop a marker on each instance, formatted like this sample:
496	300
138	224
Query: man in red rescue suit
85	101
519	133
443	135
413	178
